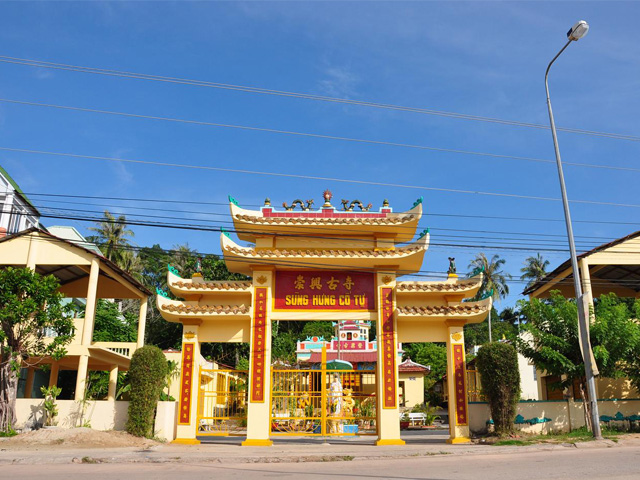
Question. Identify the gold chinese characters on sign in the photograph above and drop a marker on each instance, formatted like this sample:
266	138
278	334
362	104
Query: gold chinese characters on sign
323	290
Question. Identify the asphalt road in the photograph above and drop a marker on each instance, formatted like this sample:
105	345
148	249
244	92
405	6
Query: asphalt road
571	464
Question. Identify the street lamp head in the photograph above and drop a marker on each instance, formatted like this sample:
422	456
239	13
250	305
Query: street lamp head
578	31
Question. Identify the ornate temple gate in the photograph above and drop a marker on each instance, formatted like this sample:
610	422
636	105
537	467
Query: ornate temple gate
222	402
303	403
287	259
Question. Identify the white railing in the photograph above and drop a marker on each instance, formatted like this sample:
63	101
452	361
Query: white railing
122	348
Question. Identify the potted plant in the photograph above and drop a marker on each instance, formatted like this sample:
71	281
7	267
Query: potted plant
404	421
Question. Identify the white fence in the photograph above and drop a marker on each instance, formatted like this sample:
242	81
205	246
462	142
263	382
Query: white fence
565	415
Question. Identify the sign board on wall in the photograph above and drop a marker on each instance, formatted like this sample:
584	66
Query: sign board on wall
324	290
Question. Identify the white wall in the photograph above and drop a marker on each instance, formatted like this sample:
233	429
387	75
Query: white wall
101	414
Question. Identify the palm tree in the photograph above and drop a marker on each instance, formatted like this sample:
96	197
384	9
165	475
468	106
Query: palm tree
535	268
111	238
494	278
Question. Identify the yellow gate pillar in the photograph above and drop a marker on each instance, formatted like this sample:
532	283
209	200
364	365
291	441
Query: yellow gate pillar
457	384
387	373
259	398
189	385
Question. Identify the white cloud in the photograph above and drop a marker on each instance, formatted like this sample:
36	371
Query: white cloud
340	82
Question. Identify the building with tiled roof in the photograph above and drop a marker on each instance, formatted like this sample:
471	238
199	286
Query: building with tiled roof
332	263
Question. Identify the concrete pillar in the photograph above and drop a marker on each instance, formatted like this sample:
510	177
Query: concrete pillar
387	372
28	387
90	310
113	383
457	383
189	386
81	380
142	322
258	408
53	374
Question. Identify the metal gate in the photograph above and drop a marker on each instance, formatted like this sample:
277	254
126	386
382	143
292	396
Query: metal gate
323	402
222	402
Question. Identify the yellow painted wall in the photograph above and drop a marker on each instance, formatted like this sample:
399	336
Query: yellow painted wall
413	388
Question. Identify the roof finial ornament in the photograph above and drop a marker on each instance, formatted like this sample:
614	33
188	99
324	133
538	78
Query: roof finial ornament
385	203
267	202
452	267
348	207
327	195
297	201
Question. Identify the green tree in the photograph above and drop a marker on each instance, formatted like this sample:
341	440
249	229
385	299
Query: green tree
477	334
553	344
433	355
500	377
494	279
317	329
535	268
147	375
30	308
112	239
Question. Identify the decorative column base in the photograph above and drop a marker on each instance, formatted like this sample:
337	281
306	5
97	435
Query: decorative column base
458	440
187	441
257	443
390	441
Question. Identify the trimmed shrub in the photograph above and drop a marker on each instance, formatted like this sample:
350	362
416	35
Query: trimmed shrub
147	374
500	378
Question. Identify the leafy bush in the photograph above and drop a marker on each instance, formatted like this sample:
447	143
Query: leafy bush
147	374
500	378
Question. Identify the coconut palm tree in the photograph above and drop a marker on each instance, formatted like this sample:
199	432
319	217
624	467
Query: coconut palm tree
535	268
494	278
111	238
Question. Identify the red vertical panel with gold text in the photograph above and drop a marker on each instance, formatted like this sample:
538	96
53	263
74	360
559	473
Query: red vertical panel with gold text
186	383
461	388
258	344
388	350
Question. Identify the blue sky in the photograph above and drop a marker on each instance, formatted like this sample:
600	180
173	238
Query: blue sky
478	58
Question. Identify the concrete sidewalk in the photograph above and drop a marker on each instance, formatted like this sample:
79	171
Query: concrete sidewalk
285	450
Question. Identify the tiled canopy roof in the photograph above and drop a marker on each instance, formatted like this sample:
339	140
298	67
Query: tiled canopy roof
325	221
252	252
436	287
209	309
212	285
462	309
410	366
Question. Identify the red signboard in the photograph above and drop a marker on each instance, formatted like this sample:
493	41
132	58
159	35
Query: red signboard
324	290
258	344
186	383
461	388
387	338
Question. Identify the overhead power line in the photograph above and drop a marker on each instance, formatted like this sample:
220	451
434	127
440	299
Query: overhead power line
218	229
315	135
300	95
426	214
314	177
436	274
122	209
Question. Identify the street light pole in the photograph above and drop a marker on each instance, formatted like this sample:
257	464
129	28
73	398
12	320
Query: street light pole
578	31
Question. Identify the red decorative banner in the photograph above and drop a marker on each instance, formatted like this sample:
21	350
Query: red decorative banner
387	338
258	343
324	290
461	387
186	383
